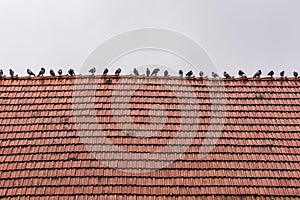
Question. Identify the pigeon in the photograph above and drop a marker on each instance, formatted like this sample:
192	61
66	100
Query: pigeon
295	74
30	73
180	72
148	72
136	72
242	74
11	72
71	72
166	73
189	74
257	74
201	73
105	72
282	74
42	72
155	71
52	73
271	73
1	73
118	71
226	75
93	70
215	75
60	72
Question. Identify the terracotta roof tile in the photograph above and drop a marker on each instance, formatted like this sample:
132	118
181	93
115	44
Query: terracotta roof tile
43	154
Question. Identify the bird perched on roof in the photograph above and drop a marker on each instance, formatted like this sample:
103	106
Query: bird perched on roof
257	74
148	72
105	71
30	73
11	72
226	75
189	74
136	72
201	73
166	73
71	72
60	72
271	73
52	73
154	72
1	72
242	74
42	72
180	72
118	71
92	70
295	74
281	74
215	75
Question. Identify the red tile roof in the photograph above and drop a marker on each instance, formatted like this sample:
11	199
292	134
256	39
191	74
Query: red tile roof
47	133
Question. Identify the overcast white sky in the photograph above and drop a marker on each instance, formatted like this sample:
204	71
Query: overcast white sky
247	34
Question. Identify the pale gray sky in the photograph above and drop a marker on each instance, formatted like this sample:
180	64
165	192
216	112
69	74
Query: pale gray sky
246	34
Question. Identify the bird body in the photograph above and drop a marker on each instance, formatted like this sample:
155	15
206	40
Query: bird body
180	72
271	73
42	72
60	72
30	73
201	73
1	72
105	72
118	71
92	70
295	74
71	72
136	72
226	75
215	75
166	73
11	72
282	74
154	72
189	74
257	74
148	72
242	74
52	73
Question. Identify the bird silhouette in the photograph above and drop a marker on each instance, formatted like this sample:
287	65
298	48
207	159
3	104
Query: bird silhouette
282	74
92	70
166	73
136	72
242	74
30	73
257	74
189	74
271	73
215	75
118	71
155	71
105	71
52	73
1	73
71	72
42	72
60	72
226	75
11	72
201	73
295	74
180	72
148	72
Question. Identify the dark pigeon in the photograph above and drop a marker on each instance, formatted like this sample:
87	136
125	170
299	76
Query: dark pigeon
11	72
257	74
136	72
42	72
166	73
189	74
52	73
242	74
92	71
60	72
282	74
71	72
271	73
226	75
148	72
215	75
295	74
1	72
180	72
201	73
30	73
118	71
155	71
105	72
